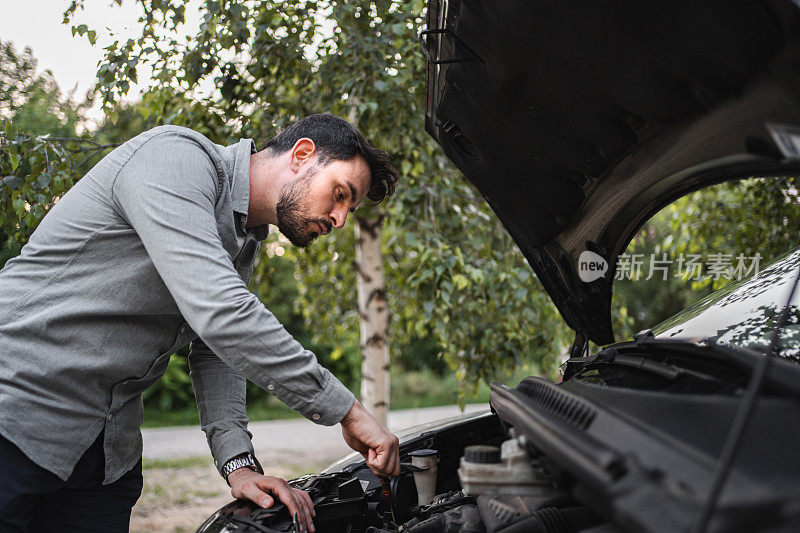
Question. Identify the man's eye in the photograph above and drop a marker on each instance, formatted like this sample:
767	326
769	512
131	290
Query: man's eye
339	195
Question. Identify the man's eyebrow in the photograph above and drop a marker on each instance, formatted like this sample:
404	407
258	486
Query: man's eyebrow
353	197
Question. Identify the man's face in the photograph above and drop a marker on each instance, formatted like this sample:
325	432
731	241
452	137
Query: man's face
320	198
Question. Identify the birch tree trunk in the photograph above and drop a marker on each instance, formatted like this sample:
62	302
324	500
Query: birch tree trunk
372	309
374	314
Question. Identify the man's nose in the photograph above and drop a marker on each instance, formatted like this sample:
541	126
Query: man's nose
338	217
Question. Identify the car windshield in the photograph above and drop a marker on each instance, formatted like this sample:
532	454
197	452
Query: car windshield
745	313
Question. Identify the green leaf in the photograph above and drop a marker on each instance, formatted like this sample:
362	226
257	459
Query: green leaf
12	182
92	35
19	203
337	353
460	282
43	180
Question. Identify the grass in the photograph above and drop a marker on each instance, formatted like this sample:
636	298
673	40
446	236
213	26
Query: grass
258	410
184	417
409	390
176	498
297	468
182	462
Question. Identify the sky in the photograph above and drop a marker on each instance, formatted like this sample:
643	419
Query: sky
73	61
37	23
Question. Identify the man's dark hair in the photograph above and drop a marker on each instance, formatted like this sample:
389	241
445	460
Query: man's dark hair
337	139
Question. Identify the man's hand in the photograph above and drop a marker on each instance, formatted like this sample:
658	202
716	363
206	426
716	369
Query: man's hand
262	490
365	435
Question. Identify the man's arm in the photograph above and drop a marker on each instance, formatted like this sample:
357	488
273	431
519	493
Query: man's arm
221	401
220	392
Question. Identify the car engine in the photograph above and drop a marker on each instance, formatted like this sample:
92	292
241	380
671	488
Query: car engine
474	477
503	490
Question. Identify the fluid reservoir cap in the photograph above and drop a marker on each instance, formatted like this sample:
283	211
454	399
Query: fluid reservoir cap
482	454
423	453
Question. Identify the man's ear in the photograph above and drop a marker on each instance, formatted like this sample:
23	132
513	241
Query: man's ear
303	151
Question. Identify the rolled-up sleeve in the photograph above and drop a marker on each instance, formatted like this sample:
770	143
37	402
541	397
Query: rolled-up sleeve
167	192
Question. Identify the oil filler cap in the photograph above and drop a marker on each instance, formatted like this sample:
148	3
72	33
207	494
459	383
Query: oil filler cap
482	454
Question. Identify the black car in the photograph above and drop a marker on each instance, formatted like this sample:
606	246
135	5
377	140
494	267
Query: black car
578	121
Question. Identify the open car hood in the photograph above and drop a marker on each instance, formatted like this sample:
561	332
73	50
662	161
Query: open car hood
578	121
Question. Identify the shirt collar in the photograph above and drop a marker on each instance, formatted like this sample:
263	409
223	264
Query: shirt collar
240	188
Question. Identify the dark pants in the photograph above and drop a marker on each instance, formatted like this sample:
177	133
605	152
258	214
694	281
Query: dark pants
33	499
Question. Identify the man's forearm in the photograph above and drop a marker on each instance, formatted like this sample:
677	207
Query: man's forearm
221	401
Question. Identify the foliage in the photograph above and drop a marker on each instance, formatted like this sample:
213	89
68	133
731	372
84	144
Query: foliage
35	169
36	172
756	215
174	389
748	217
33	100
30	183
642	303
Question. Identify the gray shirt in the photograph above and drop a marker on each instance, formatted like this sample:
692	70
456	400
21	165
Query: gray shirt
146	253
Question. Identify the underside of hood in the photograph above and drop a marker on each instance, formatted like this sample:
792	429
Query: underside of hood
578	121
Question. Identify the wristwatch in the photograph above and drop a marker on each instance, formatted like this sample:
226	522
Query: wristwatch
241	461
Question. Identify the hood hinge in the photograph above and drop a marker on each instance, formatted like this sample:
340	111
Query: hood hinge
579	348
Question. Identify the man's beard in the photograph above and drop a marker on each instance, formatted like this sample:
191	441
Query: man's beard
291	221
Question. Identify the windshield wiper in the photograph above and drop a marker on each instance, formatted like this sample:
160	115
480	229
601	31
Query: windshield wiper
782	375
742	419
667	371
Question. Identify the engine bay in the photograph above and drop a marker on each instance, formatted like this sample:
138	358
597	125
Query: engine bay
579	456
355	502
476	476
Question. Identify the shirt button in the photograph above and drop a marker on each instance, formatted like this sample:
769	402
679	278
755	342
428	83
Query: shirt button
243	218
110	416
270	387
183	329
315	416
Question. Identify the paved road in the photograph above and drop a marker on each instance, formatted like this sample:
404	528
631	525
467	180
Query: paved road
276	438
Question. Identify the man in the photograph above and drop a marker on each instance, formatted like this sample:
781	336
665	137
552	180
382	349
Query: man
151	250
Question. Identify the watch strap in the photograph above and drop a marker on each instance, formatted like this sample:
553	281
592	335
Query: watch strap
245	460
